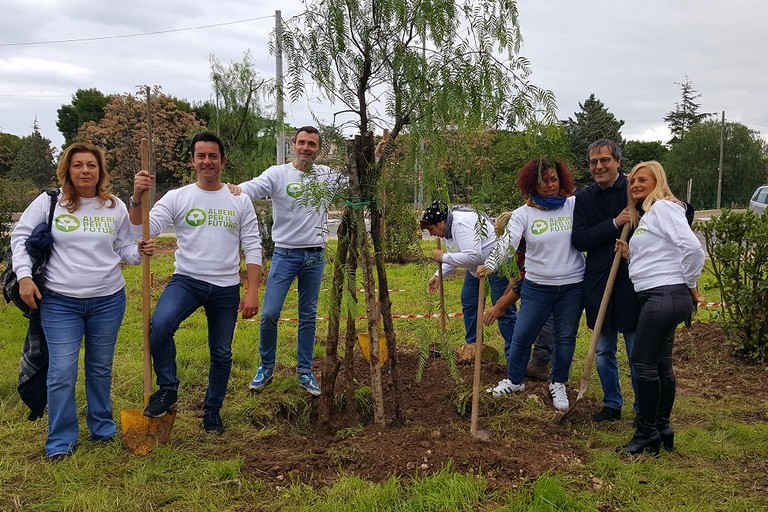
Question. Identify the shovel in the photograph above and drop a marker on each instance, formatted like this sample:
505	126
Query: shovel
479	434
598	326
141	434
436	352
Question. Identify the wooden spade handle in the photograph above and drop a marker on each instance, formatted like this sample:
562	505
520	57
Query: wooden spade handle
146	287
478	358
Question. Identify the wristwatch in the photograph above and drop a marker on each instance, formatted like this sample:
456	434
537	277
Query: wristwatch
132	203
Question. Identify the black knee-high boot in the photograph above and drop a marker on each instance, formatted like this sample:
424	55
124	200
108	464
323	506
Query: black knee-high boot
667	399
646	438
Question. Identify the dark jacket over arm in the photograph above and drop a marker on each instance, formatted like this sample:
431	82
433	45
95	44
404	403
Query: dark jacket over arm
595	234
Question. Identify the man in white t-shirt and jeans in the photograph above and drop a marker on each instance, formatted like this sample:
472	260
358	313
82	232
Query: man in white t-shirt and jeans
300	193
211	226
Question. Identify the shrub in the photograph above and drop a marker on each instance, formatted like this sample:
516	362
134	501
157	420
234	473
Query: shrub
737	244
15	196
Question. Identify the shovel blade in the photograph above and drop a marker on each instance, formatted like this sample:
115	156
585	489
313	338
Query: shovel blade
142	434
560	417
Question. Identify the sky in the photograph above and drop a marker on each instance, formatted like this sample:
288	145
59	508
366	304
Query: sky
628	53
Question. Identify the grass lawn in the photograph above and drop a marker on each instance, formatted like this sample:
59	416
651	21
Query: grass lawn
271	457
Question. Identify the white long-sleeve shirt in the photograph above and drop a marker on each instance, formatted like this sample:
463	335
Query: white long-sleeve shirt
467	248
210	226
88	245
296	225
664	250
550	258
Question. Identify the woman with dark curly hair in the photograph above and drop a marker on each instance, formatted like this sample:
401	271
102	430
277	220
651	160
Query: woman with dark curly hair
554	274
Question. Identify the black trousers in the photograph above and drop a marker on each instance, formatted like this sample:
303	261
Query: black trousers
661	310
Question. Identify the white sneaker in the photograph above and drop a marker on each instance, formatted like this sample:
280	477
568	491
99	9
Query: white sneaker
505	387
559	396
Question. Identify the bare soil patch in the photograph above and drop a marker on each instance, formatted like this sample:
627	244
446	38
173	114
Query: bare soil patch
525	441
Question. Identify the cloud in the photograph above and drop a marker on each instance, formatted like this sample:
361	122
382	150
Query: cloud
629	54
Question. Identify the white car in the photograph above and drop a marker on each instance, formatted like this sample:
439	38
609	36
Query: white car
759	200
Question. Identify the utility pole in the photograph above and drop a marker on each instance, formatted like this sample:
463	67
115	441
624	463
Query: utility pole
280	132
720	168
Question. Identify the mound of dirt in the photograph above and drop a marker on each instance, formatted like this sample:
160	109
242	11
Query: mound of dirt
525	441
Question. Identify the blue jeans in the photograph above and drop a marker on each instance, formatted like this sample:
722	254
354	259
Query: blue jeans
608	367
542	347
287	264
469	299
182	297
564	303
66	320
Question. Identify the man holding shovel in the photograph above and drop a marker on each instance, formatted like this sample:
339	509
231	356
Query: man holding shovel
211	226
469	238
598	217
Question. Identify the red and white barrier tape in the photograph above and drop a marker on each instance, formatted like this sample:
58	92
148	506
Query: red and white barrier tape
363	317
363	289
437	315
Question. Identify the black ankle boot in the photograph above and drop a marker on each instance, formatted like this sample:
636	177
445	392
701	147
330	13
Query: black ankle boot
642	443
646	438
667	437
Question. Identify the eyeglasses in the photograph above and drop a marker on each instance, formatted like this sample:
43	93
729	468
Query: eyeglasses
605	161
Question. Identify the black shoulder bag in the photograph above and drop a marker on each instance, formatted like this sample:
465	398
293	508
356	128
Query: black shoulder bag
38	247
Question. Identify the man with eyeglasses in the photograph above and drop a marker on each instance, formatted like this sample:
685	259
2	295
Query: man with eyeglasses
598	217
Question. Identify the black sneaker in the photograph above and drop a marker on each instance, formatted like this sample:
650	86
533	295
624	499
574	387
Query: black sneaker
161	402
212	423
607	414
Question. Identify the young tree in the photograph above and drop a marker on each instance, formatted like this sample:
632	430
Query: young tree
406	65
686	114
87	105
120	131
697	156
34	160
592	122
239	118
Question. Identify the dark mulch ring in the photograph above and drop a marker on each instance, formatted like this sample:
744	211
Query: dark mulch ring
525	440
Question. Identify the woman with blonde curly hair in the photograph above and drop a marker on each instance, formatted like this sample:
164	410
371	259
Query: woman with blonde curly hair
665	261
84	294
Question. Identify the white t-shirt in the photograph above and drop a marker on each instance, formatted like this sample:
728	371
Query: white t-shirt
664	250
550	258
299	202
468	248
210	226
88	245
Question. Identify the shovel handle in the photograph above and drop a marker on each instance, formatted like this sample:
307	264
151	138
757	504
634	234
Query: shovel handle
146	287
442	291
601	316
478	357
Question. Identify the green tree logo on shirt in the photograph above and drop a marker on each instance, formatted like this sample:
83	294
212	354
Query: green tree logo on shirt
539	226
294	189
66	222
195	217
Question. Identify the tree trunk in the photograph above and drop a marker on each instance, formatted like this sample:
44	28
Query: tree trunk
332	363
351	336
385	304
365	188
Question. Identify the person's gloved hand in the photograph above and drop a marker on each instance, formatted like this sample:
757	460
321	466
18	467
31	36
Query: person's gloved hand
501	223
483	271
